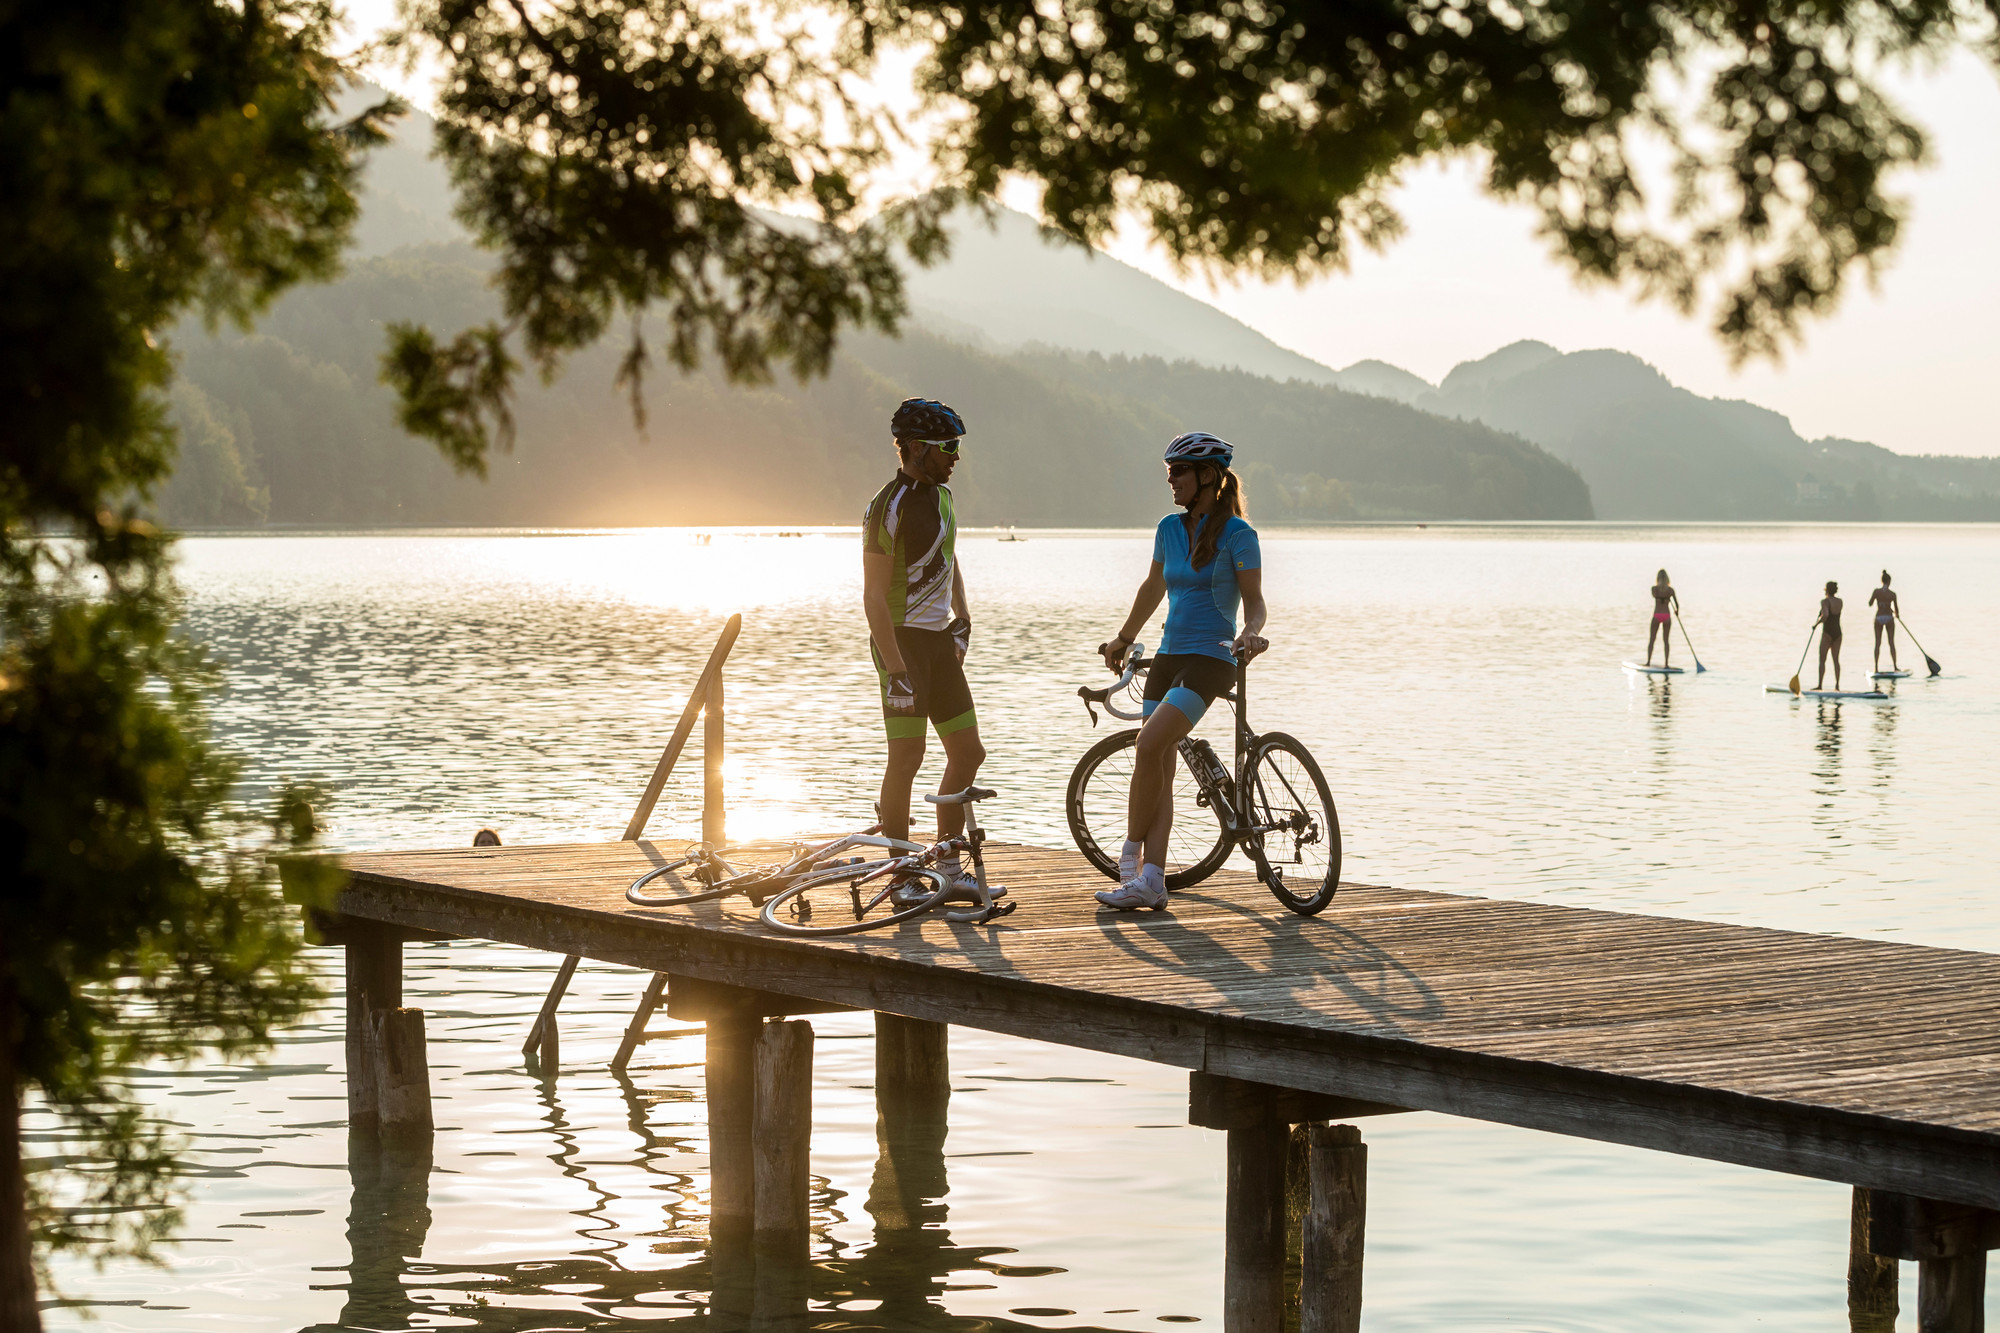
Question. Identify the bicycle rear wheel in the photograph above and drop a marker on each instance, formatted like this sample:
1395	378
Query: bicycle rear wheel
1100	790
828	896
1292	814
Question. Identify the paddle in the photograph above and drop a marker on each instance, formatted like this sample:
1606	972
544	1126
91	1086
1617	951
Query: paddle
1929	661
1802	656
1698	667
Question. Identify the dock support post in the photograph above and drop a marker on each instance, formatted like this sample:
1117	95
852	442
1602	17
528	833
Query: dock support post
1253	1271
374	981
782	1144
1951	1294
912	1077
1872	1280
402	1072
732	1098
1949	1242
1335	1228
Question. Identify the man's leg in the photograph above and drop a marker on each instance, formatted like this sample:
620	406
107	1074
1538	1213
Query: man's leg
963	754
906	756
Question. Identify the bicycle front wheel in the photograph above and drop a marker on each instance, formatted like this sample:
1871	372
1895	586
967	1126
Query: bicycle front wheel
1292	814
824	902
1100	793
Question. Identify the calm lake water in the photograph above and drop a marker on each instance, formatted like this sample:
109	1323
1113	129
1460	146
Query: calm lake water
1460	685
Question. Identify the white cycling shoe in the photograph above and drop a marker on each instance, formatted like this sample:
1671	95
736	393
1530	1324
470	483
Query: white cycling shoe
964	888
1148	889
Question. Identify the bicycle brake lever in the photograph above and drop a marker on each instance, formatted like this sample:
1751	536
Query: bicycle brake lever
1091	697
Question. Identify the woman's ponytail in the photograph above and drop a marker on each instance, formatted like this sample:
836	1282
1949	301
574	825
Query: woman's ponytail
1229	503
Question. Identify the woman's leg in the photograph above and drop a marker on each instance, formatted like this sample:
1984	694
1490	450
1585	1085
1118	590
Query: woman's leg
1651	635
1836	664
1150	813
1825	645
1878	645
1891	627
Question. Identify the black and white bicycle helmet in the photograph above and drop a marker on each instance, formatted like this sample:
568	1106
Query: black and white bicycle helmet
1198	446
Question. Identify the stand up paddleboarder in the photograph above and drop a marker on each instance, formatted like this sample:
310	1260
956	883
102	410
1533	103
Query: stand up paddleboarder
1884	600
1829	634
1665	607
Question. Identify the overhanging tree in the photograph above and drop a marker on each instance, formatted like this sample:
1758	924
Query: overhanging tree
610	150
156	157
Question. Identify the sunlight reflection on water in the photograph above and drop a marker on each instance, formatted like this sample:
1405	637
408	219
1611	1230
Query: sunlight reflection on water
1460	686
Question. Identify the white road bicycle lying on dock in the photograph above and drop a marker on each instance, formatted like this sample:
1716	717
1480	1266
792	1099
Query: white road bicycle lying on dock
808	893
1275	806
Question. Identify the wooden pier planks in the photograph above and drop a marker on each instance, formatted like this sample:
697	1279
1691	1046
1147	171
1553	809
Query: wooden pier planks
1871	1063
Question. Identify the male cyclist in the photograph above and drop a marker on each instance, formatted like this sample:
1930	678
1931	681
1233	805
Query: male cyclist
919	625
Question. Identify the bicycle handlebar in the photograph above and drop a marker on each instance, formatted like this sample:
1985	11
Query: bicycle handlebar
1135	662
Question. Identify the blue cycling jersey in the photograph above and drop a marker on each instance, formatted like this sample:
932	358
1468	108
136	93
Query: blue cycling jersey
1201	603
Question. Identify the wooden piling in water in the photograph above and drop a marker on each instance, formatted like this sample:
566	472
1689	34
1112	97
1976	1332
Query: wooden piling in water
912	1076
732	1099
1253	1268
402	1071
782	1144
374	981
1949	1242
1872	1280
1334	1230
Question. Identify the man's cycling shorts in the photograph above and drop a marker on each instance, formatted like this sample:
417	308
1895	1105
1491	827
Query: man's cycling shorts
1188	681
931	659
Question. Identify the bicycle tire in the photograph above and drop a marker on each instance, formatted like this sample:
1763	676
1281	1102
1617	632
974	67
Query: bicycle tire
1097	797
1279	767
817	879
708	895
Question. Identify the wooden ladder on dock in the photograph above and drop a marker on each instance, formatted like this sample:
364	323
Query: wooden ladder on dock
543	1045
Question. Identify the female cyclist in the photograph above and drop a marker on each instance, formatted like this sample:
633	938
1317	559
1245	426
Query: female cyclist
1204	562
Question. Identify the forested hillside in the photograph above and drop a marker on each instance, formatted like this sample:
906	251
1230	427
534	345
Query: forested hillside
290	426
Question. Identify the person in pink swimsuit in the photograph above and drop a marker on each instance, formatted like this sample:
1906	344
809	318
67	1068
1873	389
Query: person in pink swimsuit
1665	604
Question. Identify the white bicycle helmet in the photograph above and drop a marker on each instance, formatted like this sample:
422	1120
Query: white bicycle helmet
1198	446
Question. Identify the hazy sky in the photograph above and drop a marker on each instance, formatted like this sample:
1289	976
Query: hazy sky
1910	365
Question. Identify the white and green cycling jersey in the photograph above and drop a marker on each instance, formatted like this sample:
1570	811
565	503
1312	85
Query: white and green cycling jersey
912	522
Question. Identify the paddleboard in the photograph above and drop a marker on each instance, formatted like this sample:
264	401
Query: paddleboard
1890	675
1655	671
1827	694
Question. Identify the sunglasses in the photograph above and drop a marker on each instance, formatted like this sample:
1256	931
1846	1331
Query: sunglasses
946	447
1179	469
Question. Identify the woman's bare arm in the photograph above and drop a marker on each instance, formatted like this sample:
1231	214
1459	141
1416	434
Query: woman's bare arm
1250	584
1151	589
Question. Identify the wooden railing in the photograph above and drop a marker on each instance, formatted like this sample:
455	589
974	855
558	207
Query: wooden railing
706	702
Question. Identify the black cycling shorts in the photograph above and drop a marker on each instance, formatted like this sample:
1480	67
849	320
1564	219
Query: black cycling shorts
1200	678
931	659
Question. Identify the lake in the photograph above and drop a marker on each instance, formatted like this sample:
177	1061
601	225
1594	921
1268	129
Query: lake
1460	685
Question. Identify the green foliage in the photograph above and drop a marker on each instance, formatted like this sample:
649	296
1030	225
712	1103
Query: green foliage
157	158
1267	136
609	151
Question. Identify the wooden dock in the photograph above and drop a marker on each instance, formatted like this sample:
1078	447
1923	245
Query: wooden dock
1869	1063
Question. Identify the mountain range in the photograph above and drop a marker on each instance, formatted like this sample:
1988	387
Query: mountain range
1080	363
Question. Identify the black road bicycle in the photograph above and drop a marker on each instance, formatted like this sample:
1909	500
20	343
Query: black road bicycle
1275	805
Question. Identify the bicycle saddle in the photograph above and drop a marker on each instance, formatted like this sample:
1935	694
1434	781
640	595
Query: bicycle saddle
963	797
